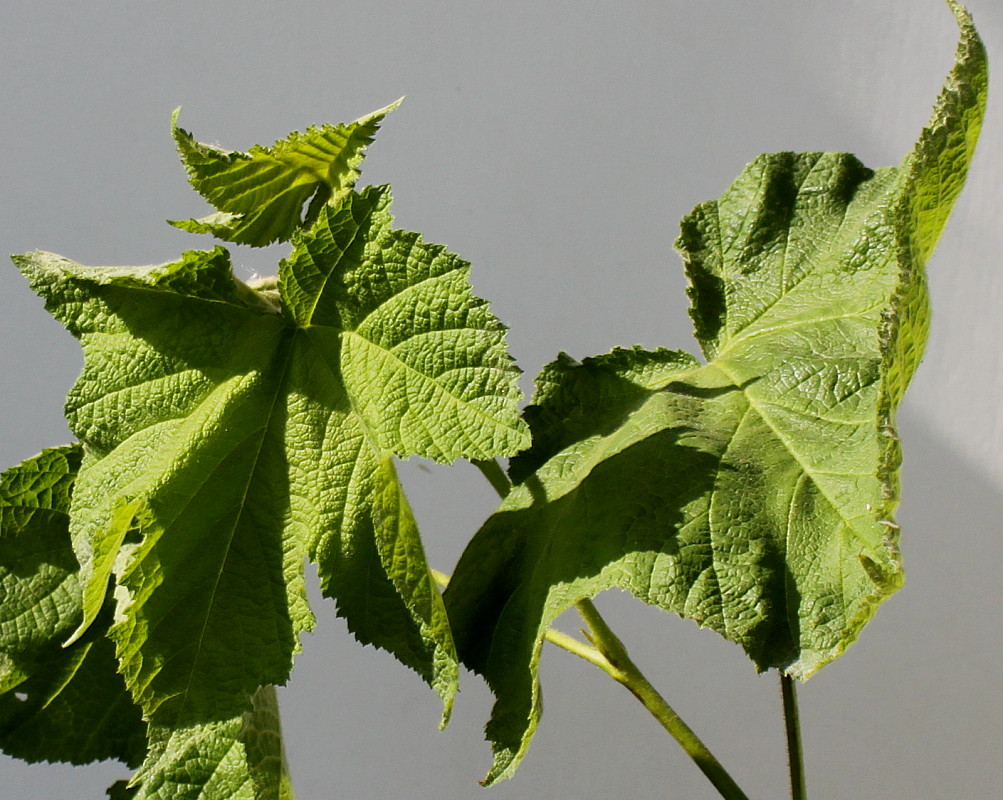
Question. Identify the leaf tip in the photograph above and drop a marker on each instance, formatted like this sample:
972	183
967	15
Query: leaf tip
961	13
447	712
75	636
178	133
379	114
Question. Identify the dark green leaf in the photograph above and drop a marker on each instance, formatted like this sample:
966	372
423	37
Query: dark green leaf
57	704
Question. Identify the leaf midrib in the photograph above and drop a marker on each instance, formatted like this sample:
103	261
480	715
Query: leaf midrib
265	429
789	447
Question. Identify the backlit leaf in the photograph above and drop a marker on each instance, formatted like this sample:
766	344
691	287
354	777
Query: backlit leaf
231	433
754	494
259	195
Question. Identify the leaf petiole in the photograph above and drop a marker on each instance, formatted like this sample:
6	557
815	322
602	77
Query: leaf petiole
495	475
792	723
625	672
608	653
564	641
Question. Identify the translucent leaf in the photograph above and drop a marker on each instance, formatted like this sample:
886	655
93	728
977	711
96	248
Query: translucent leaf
754	494
231	433
233	759
259	195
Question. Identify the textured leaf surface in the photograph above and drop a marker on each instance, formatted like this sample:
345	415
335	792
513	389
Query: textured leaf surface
234	759
230	433
754	494
56	704
259	195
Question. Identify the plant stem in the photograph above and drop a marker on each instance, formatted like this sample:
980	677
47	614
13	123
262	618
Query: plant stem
624	671
792	722
570	643
609	654
496	476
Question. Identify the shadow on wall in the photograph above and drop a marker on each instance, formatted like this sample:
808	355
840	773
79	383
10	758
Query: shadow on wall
914	707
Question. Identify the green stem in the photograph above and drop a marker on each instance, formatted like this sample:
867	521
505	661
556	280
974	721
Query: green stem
608	653
555	637
792	722
625	672
496	476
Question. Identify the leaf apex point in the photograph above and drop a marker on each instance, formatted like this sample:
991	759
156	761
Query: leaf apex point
75	636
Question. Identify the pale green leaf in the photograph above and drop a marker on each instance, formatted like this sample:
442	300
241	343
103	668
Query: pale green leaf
259	195
754	494
229	434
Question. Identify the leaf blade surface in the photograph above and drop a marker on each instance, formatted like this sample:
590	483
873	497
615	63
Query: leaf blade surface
754	494
56	704
229	435
260	195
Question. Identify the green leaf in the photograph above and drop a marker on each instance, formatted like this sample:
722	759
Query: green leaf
39	590
233	759
120	790
260	194
56	704
74	707
754	494
230	433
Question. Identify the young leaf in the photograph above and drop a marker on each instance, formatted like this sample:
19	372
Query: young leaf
754	494
56	704
228	436
260	194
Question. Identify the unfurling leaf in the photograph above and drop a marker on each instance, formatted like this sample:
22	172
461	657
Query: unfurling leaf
754	494
259	195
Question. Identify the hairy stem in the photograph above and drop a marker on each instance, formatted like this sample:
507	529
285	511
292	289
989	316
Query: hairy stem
625	672
608	653
792	722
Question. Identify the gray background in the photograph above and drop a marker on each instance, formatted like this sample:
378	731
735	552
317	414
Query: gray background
555	145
